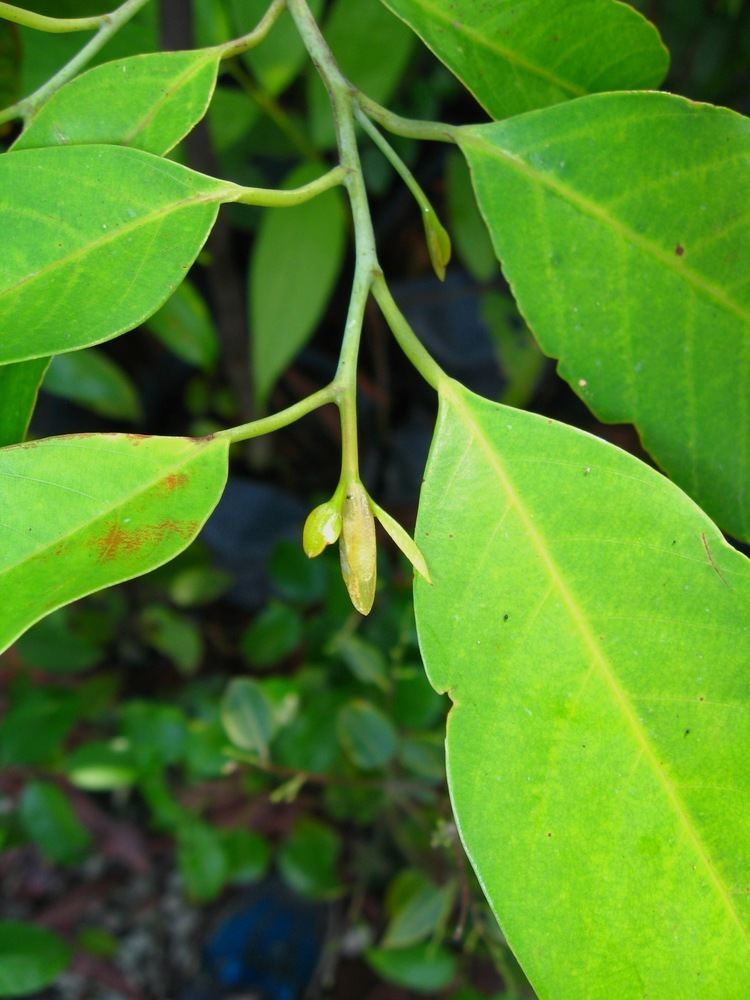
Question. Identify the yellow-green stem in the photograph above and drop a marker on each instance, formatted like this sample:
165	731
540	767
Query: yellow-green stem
51	25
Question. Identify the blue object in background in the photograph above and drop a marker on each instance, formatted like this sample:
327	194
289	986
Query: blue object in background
269	944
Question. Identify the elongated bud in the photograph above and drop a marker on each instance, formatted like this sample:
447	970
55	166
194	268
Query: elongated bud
322	527
357	548
438	242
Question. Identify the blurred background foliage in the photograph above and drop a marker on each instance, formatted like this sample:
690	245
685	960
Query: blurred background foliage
219	780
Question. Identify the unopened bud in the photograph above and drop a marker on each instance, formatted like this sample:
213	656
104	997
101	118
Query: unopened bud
438	242
357	548
322	527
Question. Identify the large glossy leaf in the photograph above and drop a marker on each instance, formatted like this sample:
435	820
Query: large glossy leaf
82	512
634	270
19	387
591	626
517	55
148	102
308	242
100	237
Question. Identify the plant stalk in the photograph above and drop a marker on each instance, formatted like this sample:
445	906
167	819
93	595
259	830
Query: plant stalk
249	41
51	25
366	267
281	198
274	422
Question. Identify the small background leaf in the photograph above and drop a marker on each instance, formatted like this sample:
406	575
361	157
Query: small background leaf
307	242
31	958
185	326
49	821
367	735
93	380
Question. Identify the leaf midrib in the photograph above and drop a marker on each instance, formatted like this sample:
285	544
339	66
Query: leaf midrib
594	210
493	46
222	194
182	80
453	393
187	457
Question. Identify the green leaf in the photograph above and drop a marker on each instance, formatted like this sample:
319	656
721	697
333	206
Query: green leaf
522	363
470	236
173	635
148	102
202	860
248	855
230	119
416	908
157	734
9	53
198	585
54	644
91	379
632	270
590	625
365	660
19	388
101	767
422	968
373	50
102	235
295	576
31	958
247	715
272	636
308	859
367	735
517	55
308	242
50	822
80	513
184	325
282	55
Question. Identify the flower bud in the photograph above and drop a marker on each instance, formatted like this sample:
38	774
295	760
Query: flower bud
322	527
357	548
438	242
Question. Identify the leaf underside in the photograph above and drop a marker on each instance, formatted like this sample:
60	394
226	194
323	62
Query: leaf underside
82	512
632	269
517	55
591	626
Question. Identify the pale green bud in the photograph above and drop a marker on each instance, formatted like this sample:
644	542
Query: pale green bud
357	548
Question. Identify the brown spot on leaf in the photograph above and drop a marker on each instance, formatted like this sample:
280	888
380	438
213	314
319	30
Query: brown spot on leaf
120	540
679	250
174	481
